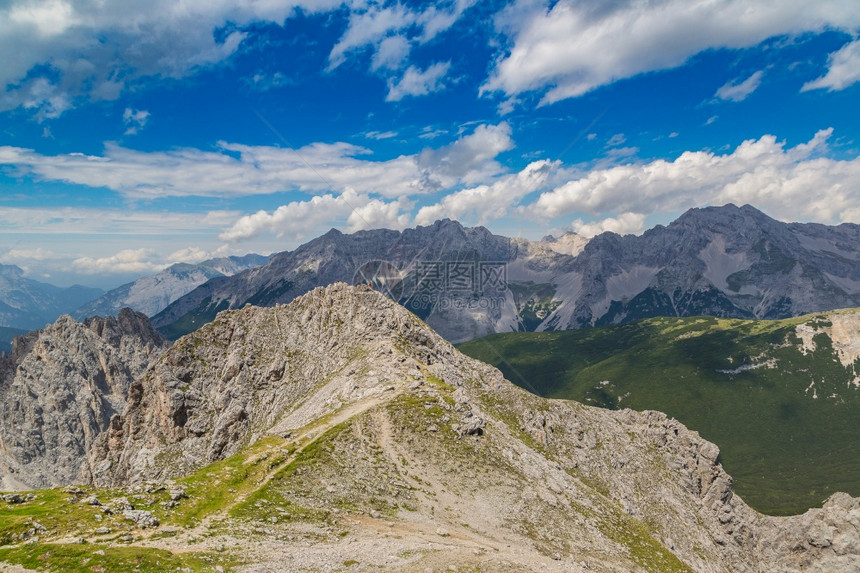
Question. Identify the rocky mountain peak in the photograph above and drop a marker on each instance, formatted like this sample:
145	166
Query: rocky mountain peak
254	369
59	388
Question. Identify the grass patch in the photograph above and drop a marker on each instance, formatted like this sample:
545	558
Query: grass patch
89	558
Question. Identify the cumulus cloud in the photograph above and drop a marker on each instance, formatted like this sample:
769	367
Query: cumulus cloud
237	170
573	47
190	255
297	219
786	182
843	69
488	202
69	49
737	90
623	224
126	261
415	82
27	255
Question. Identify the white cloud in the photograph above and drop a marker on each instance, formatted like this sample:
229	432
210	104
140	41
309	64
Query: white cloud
89	221
380	134
415	82
190	255
370	28
11	256
135	120
487	202
623	224
843	69
70	49
574	47
391	54
787	183
392	31
736	90
616	139
126	261
470	159
238	170
299	218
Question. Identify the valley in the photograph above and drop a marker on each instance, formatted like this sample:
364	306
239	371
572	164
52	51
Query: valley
781	398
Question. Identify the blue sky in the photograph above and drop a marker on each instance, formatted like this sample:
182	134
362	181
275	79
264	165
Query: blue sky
137	134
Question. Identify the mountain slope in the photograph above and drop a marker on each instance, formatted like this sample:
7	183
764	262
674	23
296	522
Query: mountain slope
722	261
781	398
59	388
340	431
27	304
152	294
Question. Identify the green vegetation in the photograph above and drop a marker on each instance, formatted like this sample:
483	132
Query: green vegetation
216	486
70	558
785	421
52	515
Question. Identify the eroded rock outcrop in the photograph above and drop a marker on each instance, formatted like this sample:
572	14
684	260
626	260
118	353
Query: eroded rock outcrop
623	487
59	388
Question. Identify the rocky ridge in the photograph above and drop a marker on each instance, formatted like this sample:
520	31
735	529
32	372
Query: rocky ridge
388	421
59	388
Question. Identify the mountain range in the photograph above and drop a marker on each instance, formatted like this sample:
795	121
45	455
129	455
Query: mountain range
27	304
152	294
339	431
467	282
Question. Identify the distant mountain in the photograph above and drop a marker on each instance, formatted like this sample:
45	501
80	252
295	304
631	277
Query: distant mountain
466	282
27	304
152	294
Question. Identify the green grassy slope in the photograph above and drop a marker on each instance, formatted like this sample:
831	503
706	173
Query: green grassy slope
786	449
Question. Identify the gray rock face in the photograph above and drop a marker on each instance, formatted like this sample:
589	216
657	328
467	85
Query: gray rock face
235	379
578	479
723	261
59	388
